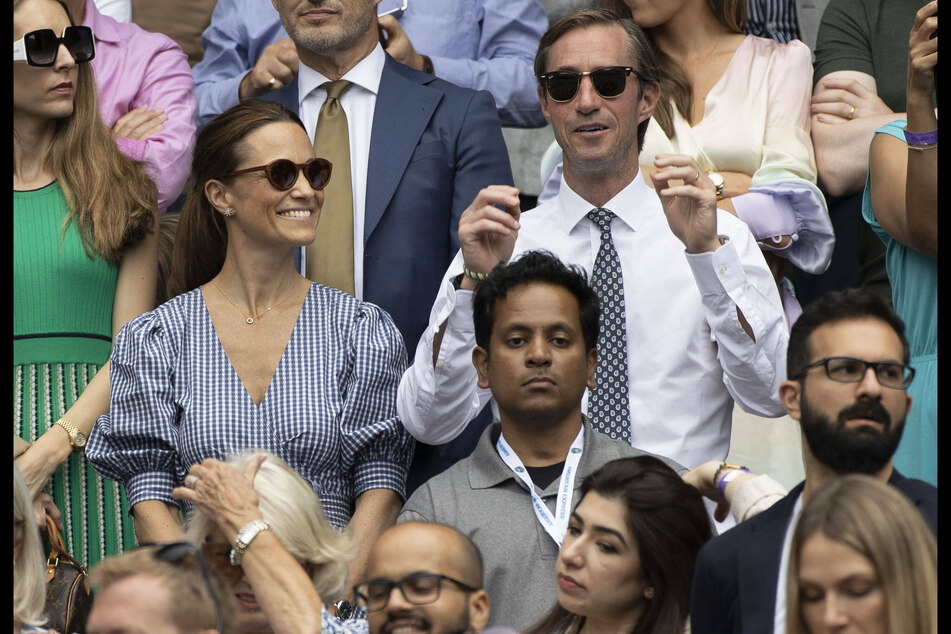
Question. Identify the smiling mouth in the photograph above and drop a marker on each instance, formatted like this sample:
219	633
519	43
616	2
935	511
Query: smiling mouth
295	213
406	625
590	128
247	600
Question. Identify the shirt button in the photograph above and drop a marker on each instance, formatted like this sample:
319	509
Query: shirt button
440	363
771	26
722	269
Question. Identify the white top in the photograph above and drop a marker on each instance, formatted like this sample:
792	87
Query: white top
688	354
359	103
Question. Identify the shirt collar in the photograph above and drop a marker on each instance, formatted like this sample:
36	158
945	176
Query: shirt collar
629	204
366	74
103	28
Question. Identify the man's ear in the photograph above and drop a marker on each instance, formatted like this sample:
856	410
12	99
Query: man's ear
480	359
592	366
649	98
478	610
790	394
544	102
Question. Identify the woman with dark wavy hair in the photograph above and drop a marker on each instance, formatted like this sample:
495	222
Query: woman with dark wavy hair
626	563
84	263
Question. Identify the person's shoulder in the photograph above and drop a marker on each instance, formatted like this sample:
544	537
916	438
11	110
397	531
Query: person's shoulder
410	76
793	53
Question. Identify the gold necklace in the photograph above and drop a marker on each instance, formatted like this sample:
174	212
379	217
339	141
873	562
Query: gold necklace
706	58
249	318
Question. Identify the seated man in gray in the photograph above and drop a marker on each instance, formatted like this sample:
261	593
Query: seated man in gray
536	329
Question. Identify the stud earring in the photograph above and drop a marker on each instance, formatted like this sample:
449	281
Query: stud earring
649	593
227	212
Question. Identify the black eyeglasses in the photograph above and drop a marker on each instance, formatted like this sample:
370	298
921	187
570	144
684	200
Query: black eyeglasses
609	82
174	553
282	173
40	48
419	589
850	370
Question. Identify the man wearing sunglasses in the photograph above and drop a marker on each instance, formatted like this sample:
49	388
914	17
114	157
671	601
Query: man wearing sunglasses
848	378
160	589
424	576
691	317
146	96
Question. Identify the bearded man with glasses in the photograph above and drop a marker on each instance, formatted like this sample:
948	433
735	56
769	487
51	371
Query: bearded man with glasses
849	375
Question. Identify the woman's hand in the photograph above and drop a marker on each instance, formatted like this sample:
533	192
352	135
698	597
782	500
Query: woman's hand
923	52
40	460
223	493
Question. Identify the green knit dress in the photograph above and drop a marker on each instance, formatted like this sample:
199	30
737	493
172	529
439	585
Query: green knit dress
62	335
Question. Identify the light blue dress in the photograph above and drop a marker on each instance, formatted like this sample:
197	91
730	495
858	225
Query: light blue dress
914	281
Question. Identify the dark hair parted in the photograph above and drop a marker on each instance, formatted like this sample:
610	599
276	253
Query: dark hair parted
535	267
202	238
668	520
639	49
834	307
674	84
110	197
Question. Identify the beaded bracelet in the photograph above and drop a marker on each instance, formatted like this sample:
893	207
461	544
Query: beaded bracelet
725	467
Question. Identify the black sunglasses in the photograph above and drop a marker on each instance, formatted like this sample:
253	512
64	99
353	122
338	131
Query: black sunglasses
282	173
40	48
609	82
175	552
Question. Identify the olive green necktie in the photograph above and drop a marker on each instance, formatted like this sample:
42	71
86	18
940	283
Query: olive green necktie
330	257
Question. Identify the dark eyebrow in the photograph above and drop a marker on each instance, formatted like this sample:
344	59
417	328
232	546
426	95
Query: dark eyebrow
600	529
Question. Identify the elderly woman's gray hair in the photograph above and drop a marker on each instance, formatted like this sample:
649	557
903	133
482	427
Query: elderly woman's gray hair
29	585
293	510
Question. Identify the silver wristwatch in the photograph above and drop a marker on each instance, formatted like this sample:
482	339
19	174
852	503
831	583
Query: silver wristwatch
245	536
717	180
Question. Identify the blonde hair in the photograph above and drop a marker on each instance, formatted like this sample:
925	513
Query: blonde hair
109	196
881	524
289	504
29	585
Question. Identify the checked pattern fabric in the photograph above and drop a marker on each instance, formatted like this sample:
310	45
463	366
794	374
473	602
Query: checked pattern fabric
608	403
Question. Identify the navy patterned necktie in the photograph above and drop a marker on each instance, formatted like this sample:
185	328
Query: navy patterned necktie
608	403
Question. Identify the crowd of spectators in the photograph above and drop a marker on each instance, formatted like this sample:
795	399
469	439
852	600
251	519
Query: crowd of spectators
362	315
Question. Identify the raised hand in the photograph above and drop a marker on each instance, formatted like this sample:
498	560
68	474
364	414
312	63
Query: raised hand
276	67
689	200
488	229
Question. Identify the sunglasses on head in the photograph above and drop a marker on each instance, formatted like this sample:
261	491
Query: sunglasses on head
609	82
40	48
282	173
175	552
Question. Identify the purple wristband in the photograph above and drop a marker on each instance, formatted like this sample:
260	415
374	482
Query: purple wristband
920	138
726	478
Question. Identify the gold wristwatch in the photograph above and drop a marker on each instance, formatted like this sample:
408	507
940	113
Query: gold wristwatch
76	438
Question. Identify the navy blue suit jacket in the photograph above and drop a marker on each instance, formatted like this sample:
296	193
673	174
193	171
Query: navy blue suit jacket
433	146
734	584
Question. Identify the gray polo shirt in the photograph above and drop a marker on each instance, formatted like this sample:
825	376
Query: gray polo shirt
481	497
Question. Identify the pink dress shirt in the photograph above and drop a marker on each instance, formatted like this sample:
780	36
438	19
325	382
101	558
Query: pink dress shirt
135	67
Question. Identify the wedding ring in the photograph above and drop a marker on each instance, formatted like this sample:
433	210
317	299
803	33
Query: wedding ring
270	84
190	481
695	179
851	112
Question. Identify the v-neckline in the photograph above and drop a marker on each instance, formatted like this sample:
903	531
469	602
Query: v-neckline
717	85
277	368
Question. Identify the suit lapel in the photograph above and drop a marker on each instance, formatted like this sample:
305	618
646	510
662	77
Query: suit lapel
404	107
759	567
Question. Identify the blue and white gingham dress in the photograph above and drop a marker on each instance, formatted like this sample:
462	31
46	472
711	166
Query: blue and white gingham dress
329	412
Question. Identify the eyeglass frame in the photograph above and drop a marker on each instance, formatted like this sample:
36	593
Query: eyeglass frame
20	53
188	547
361	596
628	71
906	369
299	166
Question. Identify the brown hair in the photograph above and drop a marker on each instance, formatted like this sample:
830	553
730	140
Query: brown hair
639	48
110	197
201	241
190	607
674	84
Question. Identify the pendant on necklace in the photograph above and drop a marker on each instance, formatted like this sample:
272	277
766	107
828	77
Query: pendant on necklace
250	321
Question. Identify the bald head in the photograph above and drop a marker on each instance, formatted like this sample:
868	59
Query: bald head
419	548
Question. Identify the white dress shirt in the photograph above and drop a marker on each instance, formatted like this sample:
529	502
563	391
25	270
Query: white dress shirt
359	103
689	356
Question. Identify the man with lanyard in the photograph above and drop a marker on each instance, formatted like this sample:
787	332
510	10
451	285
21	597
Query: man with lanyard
536	329
848	380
